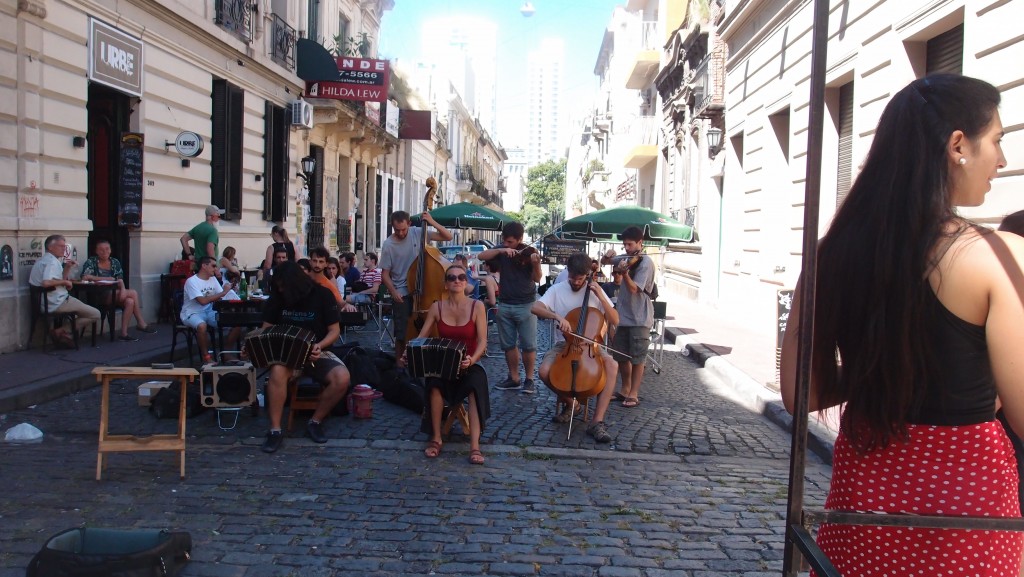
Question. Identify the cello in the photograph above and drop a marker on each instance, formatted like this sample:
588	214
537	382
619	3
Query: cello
426	274
578	372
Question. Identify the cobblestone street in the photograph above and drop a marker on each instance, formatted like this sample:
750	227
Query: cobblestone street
692	485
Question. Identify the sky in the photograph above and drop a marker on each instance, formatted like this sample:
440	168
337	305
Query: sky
580	23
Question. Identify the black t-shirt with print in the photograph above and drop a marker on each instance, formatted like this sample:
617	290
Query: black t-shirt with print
316	312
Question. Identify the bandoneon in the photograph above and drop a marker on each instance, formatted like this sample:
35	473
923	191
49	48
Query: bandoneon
441	358
280	345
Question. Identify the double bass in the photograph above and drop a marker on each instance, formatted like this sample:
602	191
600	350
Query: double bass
578	372
426	274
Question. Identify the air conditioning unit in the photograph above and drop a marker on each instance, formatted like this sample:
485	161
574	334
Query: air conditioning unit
302	114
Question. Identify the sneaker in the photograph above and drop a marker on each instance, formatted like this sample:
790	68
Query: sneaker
566	415
127	338
273	442
148	330
315	431
508	385
599	432
528	387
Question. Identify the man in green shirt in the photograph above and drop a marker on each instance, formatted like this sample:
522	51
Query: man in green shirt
205	235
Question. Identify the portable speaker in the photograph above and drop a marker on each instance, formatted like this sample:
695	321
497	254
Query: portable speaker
231	384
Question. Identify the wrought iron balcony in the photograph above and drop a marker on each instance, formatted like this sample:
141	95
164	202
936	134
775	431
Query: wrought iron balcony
282	43
708	88
235	16
464	172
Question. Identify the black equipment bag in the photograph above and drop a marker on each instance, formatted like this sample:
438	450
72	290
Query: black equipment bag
167	400
398	386
95	552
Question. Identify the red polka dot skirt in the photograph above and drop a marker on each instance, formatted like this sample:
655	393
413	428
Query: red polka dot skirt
966	470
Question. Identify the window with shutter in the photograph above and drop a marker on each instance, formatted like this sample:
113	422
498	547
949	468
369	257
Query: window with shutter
226	142
275	163
844	170
945	52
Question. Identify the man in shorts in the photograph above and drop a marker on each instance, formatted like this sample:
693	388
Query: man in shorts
396	256
516	322
560	300
636	316
296	300
201	290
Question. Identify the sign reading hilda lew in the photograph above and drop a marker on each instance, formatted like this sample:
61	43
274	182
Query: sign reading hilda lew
115	58
363	79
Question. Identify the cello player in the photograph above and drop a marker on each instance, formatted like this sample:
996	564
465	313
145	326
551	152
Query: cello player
561	299
396	256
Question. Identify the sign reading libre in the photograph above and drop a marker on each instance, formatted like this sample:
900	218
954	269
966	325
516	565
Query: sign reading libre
189	144
364	79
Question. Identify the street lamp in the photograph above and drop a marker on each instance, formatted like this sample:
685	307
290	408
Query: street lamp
308	166
714	141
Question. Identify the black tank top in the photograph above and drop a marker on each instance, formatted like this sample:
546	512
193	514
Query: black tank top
962	390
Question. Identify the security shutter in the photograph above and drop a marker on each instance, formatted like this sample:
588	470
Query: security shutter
226	141
844	172
275	163
946	52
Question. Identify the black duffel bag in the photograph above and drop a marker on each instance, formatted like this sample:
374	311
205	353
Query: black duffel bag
94	552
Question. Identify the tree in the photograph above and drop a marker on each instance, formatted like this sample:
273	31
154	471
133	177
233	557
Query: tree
545	189
536	221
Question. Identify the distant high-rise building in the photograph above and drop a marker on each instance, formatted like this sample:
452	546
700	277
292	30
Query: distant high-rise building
514	171
463	51
545	71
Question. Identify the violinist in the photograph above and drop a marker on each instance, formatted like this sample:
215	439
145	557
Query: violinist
519	267
636	313
560	300
397	255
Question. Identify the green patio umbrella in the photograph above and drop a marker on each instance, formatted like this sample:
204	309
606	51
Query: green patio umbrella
467	215
608	223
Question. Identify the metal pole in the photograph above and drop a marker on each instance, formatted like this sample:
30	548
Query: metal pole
812	191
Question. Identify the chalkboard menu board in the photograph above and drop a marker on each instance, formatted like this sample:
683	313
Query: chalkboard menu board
557	250
129	189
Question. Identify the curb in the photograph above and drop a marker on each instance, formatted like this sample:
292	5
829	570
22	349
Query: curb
43	390
751	394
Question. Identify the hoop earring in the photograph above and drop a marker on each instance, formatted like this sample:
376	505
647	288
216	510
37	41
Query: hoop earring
962	161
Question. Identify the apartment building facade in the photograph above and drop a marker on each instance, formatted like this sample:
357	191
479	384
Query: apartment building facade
122	121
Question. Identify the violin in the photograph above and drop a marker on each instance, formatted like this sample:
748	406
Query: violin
523	255
623	262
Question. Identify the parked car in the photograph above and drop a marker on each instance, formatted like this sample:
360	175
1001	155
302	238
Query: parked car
471	250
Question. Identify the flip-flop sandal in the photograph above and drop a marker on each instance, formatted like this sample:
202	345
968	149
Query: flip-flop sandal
631	402
618	397
476	457
433	449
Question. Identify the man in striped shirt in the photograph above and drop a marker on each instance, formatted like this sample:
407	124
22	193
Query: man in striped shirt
371	277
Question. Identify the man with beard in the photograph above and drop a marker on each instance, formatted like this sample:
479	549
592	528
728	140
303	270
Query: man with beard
560	300
204	234
298	301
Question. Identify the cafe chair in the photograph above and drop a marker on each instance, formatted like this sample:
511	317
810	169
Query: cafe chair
40	309
188	332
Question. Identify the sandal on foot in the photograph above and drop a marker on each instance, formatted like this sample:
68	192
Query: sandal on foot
618	397
566	415
476	457
433	449
631	402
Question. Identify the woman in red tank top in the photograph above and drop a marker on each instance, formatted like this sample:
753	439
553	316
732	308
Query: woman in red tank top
463	319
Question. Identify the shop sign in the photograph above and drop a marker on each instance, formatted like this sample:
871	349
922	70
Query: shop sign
391	113
363	79
115	58
188	144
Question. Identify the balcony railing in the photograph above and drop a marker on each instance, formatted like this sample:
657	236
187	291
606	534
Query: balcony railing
706	87
643	131
282	42
649	35
464	172
315	231
235	16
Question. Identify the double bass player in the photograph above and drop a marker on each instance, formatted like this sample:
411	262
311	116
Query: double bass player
557	303
398	253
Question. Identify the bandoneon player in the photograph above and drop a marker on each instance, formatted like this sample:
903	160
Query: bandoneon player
298	301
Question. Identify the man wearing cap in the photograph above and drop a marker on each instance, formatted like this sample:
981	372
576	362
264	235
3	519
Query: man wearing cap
204	234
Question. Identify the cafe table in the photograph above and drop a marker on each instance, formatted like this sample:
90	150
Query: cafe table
95	293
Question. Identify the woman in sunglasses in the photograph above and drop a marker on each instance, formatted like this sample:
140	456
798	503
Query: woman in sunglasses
463	319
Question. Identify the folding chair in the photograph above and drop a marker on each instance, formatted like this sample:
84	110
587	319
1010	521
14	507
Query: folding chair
656	350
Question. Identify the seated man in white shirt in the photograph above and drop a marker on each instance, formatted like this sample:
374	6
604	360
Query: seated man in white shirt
48	272
201	290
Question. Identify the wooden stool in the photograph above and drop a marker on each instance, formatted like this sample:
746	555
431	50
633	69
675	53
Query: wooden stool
297	403
115	443
559	405
456	412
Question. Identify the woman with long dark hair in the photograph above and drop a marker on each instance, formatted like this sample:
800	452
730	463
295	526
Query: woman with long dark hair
280	241
918	326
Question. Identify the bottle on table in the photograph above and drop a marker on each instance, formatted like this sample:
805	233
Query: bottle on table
243	289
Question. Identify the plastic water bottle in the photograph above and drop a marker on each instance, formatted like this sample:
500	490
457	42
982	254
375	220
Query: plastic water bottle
243	289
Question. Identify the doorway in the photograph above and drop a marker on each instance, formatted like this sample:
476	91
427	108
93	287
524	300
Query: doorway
109	113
